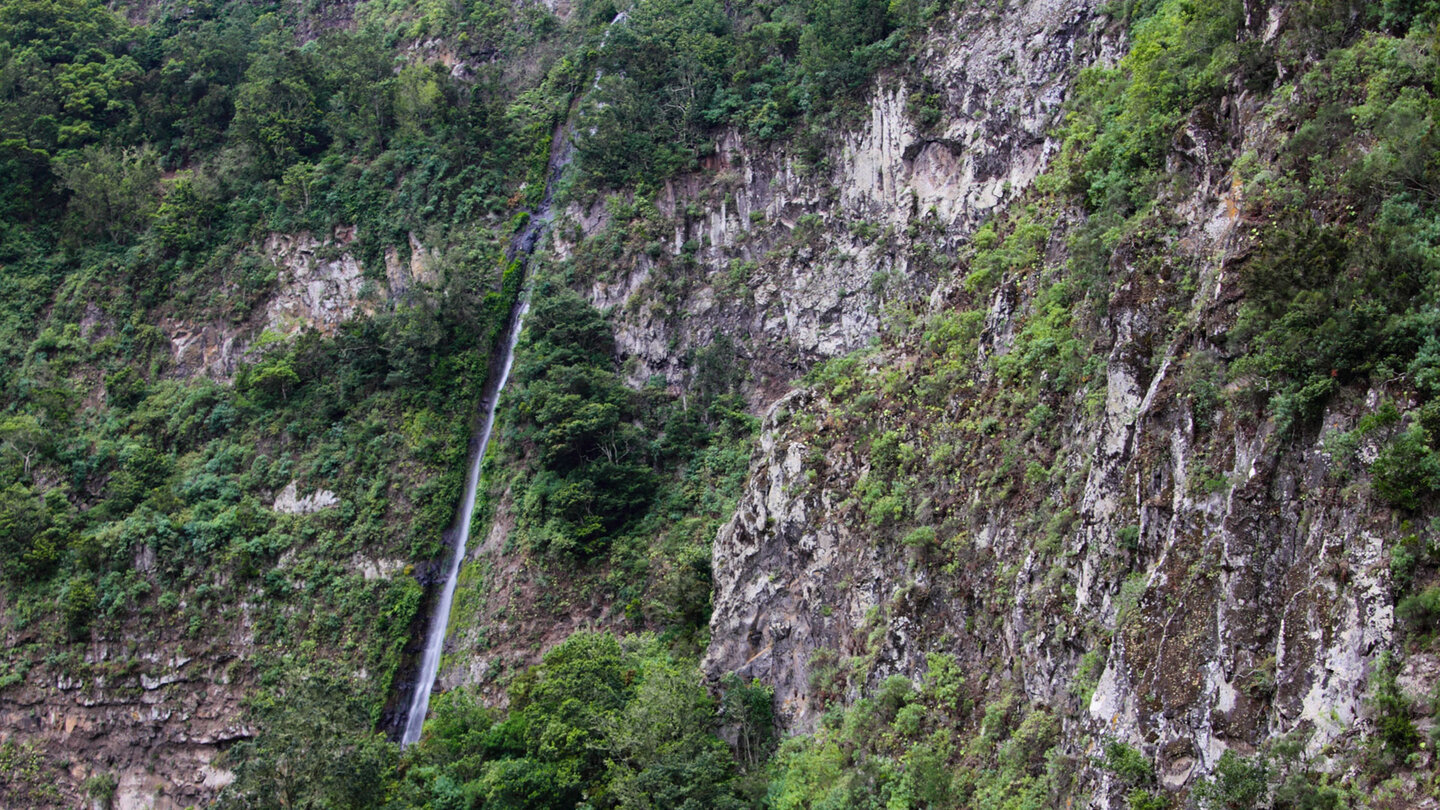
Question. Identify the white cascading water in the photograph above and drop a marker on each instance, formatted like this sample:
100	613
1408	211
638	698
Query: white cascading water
562	151
435	637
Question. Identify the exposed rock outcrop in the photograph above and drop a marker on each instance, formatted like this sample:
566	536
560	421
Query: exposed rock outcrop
154	718
795	262
319	285
1233	580
290	502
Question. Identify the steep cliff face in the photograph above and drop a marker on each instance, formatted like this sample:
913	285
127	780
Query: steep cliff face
154	719
791	262
794	258
1067	490
135	702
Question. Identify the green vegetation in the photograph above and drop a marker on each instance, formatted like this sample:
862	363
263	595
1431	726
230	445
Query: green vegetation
316	749
1341	280
1136	774
621	725
143	167
1238	783
592	476
677	69
603	722
903	747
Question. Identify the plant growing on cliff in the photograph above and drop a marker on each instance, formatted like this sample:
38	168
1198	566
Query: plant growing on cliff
1239	783
608	723
1395	733
101	787
591	477
316	749
1408	469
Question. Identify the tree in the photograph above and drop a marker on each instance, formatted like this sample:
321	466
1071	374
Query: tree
24	179
112	192
1238	783
575	693
593	477
314	748
275	377
664	753
24	437
278	107
59	30
77	606
22	520
184	218
749	709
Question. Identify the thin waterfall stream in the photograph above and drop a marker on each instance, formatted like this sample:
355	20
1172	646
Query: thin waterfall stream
523	244
440	620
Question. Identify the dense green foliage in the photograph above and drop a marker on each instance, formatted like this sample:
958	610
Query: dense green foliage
678	68
600	723
1341	279
617	725
592	476
903	747
142	166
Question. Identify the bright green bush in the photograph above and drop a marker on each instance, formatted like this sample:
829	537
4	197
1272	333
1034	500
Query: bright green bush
1407	470
621	723
1238	784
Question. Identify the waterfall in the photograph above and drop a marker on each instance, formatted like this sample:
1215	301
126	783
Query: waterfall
562	151
435	637
521	246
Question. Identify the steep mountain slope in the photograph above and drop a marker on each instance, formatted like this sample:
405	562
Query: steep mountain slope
1023	404
1166	495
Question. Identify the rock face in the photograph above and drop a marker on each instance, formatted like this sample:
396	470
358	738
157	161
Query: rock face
319	285
776	563
1277	587
316	290
154	719
1231	583
795	262
290	502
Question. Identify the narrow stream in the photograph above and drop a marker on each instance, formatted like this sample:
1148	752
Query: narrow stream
522	245
435	636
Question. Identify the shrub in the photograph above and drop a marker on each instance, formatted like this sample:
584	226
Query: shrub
1393	729
101	787
1407	470
1128	764
1421	611
77	606
1238	784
